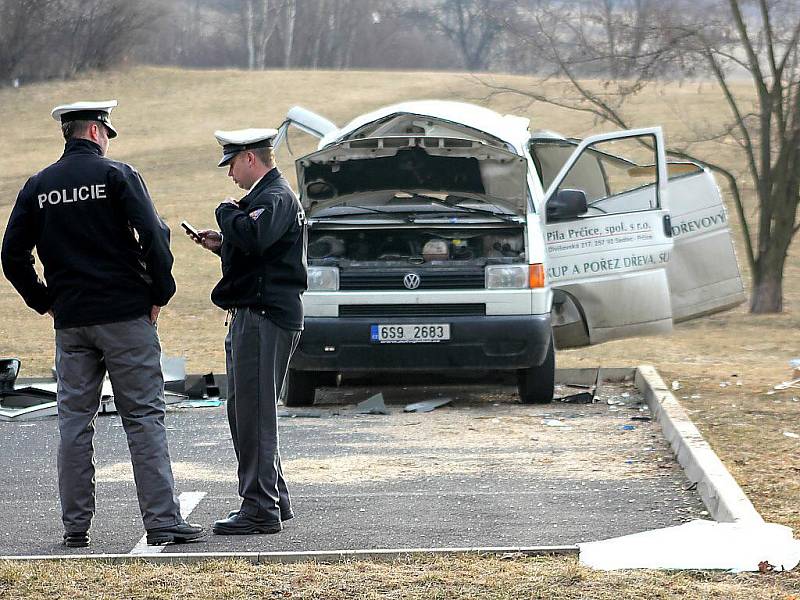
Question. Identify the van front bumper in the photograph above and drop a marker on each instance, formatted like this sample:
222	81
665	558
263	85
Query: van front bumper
476	342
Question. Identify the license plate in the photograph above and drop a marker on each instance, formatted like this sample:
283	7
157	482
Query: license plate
409	334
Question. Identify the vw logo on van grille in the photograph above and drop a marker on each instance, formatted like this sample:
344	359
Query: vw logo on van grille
411	281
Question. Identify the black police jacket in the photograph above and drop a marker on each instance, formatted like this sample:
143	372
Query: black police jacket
264	252
104	249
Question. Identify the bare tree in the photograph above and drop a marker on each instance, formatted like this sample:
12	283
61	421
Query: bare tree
290	15
722	38
22	25
472	25
334	34
56	38
102	32
259	19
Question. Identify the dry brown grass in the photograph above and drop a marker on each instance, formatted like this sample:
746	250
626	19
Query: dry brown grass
419	578
166	118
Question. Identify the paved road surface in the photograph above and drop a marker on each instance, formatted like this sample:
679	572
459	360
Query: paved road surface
484	471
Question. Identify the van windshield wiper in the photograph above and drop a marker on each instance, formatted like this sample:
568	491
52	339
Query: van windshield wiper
467	209
361	212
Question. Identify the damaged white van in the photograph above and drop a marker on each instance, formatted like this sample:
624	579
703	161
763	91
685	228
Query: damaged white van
447	237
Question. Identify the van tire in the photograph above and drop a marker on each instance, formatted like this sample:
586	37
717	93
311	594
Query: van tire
300	388
537	384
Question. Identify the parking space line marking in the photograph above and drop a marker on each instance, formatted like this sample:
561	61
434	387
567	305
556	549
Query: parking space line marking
189	501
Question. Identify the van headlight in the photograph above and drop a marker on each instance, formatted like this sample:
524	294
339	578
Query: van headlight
323	279
499	277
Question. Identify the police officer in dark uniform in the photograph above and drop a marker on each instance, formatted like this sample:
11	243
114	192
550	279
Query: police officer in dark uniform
107	273
262	243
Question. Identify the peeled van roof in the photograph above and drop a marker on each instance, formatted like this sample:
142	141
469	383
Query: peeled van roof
509	128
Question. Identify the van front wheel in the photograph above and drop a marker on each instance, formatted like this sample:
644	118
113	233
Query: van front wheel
300	388
536	384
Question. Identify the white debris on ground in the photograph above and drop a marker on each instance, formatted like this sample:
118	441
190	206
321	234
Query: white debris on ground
794	383
698	545
794	364
555	423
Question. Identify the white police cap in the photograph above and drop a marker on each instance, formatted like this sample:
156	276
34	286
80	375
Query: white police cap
239	140
87	111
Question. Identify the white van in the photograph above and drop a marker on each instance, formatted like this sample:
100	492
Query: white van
447	237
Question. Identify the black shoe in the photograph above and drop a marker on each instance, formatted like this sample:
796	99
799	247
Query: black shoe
76	540
244	524
285	516
177	534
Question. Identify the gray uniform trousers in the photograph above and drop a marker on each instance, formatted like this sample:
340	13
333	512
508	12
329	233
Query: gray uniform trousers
257	353
131	352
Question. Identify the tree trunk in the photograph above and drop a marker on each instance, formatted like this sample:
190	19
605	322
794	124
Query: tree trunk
249	24
776	229
288	39
264	33
767	286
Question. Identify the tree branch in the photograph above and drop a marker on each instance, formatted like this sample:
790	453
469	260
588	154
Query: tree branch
729	97
744	38
773	64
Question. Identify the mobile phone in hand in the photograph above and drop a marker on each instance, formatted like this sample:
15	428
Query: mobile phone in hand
191	231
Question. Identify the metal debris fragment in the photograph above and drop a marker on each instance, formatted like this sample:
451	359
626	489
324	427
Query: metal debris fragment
427	405
208	403
300	415
374	405
580	398
9	369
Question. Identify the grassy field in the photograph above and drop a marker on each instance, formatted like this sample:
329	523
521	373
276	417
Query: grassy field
726	364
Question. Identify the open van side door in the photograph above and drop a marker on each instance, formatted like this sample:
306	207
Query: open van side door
609	240
703	273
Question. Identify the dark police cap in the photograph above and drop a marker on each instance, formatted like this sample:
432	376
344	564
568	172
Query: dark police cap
87	111
239	140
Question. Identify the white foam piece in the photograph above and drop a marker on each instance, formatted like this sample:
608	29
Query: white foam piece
697	545
173	367
29	413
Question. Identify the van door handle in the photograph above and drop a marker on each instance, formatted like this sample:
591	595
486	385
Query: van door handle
667	226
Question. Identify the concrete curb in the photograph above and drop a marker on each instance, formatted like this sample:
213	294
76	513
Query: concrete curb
725	500
293	557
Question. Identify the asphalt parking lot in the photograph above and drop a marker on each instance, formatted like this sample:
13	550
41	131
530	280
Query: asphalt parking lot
483	471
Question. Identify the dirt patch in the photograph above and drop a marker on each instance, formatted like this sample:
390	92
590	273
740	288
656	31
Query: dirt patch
183	471
485	431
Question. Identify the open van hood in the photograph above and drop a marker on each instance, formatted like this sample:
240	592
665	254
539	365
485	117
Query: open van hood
415	164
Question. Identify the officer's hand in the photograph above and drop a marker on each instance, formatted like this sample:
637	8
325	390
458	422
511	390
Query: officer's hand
210	239
154	314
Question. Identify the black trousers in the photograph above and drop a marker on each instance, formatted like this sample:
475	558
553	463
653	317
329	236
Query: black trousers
257	353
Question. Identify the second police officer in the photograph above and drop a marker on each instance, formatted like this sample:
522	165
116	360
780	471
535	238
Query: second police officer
262	244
